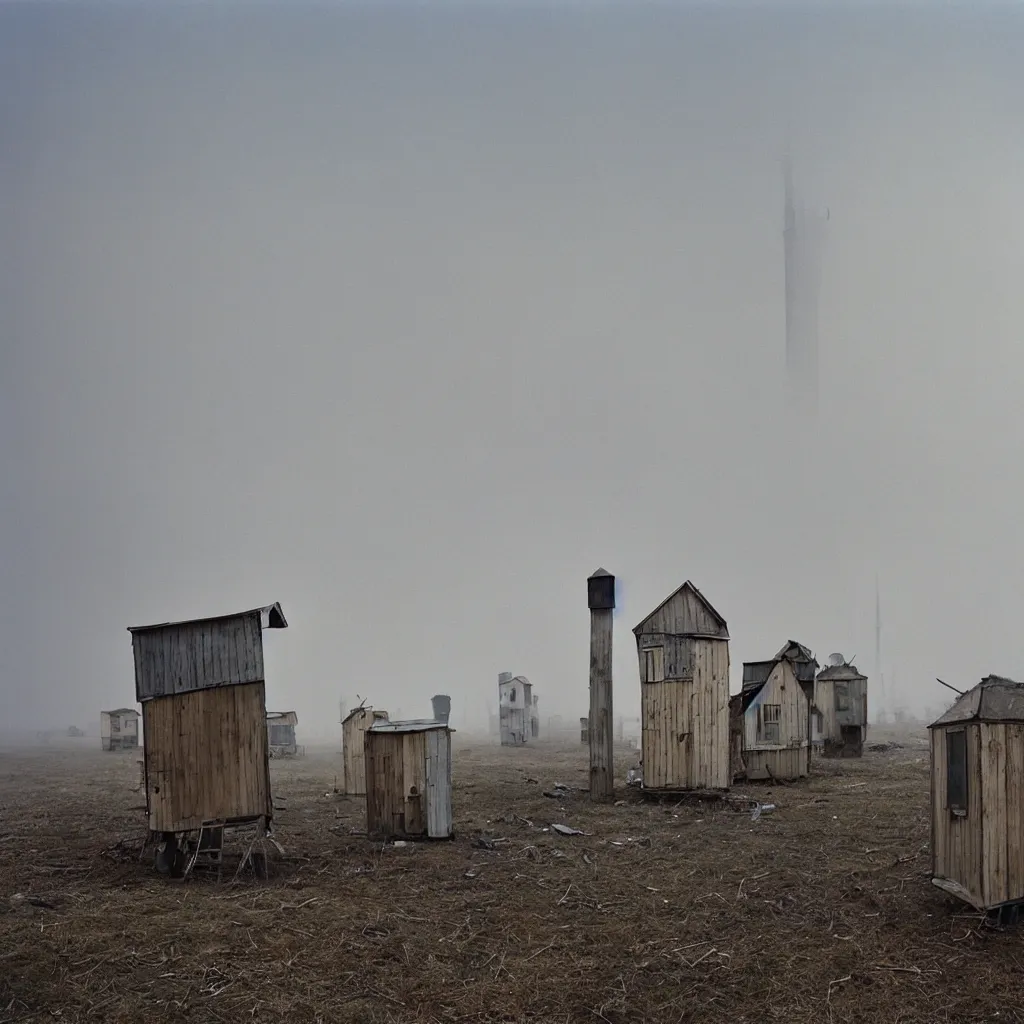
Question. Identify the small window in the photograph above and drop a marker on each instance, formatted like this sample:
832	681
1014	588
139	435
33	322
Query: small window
842	699
956	771
512	695
654	664
768	723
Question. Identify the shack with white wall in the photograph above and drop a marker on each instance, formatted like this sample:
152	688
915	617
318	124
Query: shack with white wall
119	729
515	707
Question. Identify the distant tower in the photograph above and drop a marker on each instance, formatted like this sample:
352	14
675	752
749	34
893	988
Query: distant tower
803	238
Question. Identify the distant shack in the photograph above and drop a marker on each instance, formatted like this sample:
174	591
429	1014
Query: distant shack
841	701
119	729
353	750
281	733
515	709
683	650
202	690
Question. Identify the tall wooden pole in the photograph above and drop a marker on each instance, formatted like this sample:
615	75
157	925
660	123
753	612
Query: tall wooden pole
601	600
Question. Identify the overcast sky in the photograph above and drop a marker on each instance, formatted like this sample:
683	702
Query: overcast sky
409	320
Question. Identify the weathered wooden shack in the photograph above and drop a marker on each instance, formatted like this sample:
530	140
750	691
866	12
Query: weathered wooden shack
119	729
683	649
515	704
773	722
353	746
441	707
281	733
202	690
805	666
409	780
977	795
841	703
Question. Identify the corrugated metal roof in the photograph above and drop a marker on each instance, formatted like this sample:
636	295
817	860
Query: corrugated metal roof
271	617
994	699
415	725
841	672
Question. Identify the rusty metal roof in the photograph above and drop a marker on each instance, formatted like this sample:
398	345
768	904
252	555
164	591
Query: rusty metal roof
994	699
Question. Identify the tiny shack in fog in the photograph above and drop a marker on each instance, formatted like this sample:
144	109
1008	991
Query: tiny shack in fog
201	685
409	780
353	746
769	721
683	648
281	733
119	729
441	707
841	703
977	774
515	708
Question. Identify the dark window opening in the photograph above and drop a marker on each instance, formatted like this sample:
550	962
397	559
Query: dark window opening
956	771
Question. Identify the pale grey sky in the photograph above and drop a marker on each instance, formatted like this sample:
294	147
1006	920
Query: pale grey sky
410	319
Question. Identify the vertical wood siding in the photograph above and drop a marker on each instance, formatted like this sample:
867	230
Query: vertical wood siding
957	841
786	759
206	757
685	724
683	614
180	659
353	748
408	784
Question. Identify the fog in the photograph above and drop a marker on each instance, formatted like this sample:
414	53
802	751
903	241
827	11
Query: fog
410	319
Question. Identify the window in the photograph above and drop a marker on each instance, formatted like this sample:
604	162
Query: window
654	665
842	698
768	719
512	695
956	771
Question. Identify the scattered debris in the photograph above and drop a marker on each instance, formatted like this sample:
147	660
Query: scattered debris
635	777
565	830
761	809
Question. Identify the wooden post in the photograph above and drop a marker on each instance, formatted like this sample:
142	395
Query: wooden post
601	600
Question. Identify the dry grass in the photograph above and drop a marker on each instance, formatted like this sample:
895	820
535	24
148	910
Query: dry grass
820	911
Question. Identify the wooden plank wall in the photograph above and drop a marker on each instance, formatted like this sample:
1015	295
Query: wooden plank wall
353	749
776	764
683	614
206	757
787	759
178	659
408	784
685	724
957	842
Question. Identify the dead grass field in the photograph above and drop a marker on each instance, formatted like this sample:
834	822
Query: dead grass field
820	911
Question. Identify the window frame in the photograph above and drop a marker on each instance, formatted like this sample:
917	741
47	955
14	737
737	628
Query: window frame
958	796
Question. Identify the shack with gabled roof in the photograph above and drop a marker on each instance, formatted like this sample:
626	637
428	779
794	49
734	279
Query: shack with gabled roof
841	703
977	795
683	650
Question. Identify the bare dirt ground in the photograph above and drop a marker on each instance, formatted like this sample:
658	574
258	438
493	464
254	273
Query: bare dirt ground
818	911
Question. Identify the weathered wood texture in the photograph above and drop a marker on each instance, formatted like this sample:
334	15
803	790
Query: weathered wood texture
775	722
119	730
602	737
515	703
206	757
843	706
685	722
353	747
981	852
409	783
192	656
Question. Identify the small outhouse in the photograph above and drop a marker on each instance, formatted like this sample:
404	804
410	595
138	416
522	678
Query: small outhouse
772	709
409	780
977	795
119	729
353	746
515	707
683	649
281	733
202	689
841	706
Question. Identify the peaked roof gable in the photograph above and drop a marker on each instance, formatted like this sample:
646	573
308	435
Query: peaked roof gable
722	632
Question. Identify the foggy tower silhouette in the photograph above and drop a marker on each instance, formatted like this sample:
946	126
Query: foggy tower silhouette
803	238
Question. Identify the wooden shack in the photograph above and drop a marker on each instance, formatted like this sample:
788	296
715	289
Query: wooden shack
202	690
515	705
772	709
119	729
805	666
841	703
353	746
281	733
409	780
683	649
977	795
